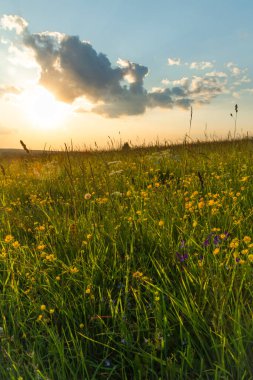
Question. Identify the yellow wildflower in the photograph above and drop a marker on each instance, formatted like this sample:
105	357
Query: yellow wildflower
161	223
201	204
8	238
41	247
234	244
16	244
40	228
137	274
216	251
74	270
244	179
250	258
51	257
247	239
43	307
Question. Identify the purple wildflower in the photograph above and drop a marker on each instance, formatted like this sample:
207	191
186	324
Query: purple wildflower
216	240
227	234
182	257
207	241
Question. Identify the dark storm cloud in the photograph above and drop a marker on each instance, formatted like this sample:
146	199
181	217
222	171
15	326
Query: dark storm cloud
72	69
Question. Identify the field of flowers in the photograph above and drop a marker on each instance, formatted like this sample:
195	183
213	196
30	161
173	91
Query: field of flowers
128	265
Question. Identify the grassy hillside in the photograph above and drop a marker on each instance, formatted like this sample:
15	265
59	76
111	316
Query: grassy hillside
128	265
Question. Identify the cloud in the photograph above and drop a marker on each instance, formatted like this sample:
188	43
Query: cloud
236	95
5	90
248	90
3	41
79	75
201	65
241	81
185	92
174	61
13	22
22	57
180	82
234	69
71	68
218	74
165	81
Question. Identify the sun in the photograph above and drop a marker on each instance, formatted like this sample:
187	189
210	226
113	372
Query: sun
42	109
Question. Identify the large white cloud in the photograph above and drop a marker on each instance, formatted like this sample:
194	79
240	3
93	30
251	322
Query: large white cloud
14	22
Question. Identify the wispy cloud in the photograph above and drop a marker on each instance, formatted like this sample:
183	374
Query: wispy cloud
248	90
4	90
174	61
202	65
236	95
233	68
218	74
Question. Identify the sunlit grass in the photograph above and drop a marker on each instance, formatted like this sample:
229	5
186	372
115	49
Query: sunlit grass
133	264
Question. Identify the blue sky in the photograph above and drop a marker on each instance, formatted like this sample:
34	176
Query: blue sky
158	60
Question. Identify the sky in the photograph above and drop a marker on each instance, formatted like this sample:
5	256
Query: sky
91	72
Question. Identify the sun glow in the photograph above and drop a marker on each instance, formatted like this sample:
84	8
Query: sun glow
42	109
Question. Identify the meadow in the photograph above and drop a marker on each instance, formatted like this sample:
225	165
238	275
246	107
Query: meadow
134	264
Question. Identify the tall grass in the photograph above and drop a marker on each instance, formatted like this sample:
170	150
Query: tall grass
134	264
